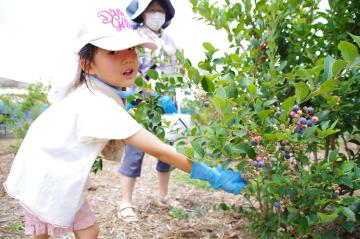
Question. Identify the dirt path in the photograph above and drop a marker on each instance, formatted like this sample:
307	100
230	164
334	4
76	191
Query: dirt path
201	219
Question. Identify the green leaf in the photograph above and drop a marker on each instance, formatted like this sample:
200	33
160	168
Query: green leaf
349	226
338	66
348	213
252	89
241	148
187	151
263	114
198	148
301	91
347	181
221	93
347	166
288	104
348	51
332	156
328	65
328	86
326	218
355	38
153	74
309	132
139	81
209	47
207	85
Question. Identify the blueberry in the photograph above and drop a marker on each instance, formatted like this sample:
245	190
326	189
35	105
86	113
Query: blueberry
299	130
309	123
296	108
287	155
310	110
256	164
278	113
302	121
276	204
261	164
253	142
283	143
277	104
206	103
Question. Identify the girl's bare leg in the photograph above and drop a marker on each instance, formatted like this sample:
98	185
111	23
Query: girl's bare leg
91	232
40	237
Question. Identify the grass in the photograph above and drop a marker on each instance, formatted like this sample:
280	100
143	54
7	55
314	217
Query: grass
181	178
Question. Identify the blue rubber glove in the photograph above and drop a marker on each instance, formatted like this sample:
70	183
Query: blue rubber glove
219	178
167	104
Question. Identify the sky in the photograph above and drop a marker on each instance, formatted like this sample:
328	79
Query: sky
36	37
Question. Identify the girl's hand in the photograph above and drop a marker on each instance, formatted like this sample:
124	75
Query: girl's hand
228	180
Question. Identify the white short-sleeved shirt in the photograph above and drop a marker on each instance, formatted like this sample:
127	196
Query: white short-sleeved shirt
51	168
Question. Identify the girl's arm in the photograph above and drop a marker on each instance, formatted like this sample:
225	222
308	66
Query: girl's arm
149	143
227	180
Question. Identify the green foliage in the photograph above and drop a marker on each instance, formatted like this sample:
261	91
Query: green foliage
97	165
19	111
283	53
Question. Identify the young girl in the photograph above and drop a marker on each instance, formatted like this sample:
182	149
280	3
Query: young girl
51	168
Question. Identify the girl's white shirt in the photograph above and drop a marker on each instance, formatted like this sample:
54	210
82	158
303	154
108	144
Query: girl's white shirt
50	171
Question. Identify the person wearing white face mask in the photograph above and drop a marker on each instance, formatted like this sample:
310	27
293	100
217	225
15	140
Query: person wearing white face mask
153	16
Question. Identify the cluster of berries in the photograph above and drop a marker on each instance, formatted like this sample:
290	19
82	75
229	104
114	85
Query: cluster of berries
255	139
278	110
283	148
303	118
259	162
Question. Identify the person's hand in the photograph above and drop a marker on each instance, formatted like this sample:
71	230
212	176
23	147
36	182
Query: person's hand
219	178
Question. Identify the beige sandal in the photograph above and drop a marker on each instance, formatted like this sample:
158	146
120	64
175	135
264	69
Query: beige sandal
126	212
171	202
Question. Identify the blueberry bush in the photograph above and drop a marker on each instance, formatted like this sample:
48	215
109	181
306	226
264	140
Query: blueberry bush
19	111
283	106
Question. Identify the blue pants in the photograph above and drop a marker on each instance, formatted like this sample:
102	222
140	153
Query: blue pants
132	162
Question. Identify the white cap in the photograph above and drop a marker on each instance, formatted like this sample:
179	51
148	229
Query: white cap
108	27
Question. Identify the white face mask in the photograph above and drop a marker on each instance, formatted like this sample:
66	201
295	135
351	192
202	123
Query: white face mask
154	20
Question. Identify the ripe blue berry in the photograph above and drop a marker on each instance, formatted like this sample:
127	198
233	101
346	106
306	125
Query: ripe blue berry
310	110
283	143
276	204
309	123
303	121
206	103
287	155
296	108
299	130
261	164
277	104
253	142
278	113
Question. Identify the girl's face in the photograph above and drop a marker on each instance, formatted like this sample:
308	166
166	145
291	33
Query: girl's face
116	68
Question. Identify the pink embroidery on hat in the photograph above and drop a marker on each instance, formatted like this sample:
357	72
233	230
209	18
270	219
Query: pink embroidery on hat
116	18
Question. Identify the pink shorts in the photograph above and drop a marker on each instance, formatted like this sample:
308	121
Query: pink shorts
84	218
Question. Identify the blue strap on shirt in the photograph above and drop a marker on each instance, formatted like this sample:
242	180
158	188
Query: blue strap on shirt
121	93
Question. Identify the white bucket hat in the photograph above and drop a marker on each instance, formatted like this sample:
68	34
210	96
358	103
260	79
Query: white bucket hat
108	27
